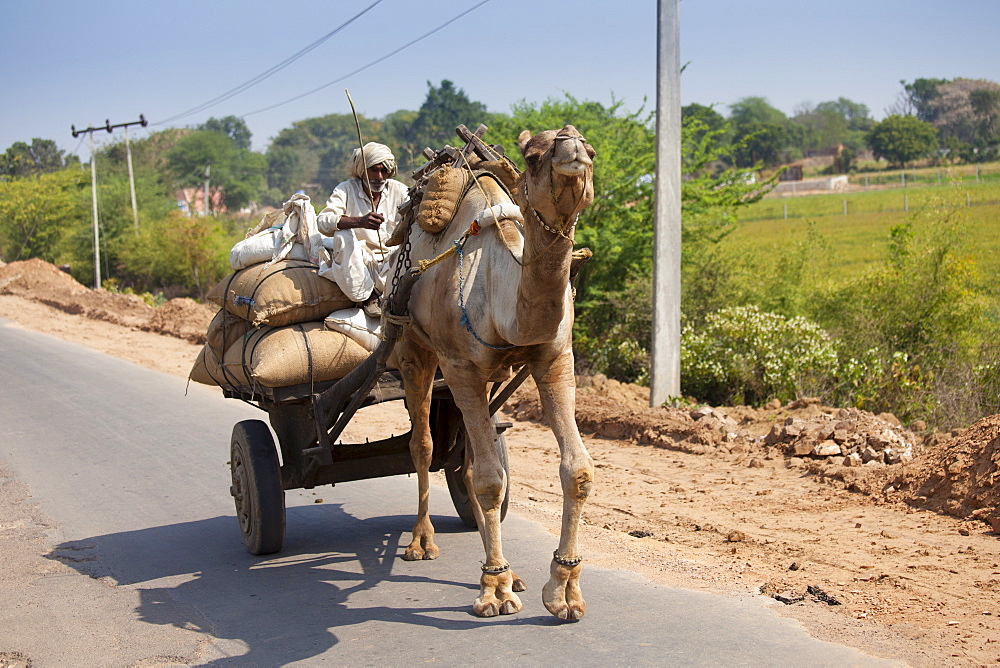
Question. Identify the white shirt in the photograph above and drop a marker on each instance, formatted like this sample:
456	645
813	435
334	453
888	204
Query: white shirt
359	257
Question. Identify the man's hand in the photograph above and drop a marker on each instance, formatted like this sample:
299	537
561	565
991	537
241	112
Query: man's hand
369	221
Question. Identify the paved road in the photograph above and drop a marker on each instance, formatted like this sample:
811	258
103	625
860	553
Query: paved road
132	473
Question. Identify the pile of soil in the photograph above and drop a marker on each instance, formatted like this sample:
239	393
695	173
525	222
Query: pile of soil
862	451
958	477
40	281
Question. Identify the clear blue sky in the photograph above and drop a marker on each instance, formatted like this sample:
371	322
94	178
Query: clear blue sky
73	63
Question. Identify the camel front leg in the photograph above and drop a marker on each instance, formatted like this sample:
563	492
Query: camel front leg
417	368
517	584
488	487
562	595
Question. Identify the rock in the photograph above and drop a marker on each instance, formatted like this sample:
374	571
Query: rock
826	449
853	460
773	404
755	463
919	426
736	536
699	413
803	402
804	448
890	418
793	431
870	454
841	435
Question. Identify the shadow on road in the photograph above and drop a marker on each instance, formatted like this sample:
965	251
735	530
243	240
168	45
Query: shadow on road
288	606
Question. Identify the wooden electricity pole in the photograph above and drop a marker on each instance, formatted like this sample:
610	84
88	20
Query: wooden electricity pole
665	381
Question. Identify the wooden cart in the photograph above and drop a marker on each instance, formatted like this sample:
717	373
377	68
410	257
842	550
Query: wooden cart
308	420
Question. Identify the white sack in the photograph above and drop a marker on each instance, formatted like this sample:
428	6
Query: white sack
356	324
288	234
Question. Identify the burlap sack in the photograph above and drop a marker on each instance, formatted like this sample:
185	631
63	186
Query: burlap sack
441	198
211	369
283	293
280	356
301	353
225	330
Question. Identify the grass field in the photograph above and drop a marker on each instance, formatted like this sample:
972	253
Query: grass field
856	240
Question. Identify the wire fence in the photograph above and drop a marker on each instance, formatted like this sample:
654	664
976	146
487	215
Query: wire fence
885	192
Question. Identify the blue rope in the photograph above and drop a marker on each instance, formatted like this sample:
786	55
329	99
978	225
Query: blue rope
459	245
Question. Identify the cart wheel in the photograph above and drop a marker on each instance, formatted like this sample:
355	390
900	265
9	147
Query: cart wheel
455	475
260	500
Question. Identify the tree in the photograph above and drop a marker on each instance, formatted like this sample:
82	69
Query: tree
41	156
38	212
180	251
821	128
237	172
985	103
954	112
902	139
855	113
445	108
711	120
754	110
312	155
916	99
231	126
759	132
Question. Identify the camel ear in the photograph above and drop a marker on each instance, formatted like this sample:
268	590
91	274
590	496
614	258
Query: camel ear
522	140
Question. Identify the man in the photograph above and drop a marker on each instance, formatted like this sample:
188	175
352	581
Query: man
360	216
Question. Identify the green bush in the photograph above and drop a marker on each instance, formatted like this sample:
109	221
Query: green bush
919	324
745	356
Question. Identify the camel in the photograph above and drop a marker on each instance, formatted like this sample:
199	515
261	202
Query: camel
516	308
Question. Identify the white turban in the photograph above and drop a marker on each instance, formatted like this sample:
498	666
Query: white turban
375	154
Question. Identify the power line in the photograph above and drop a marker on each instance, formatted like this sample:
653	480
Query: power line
267	73
374	62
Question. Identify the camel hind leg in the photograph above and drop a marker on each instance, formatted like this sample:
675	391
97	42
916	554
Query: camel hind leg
562	595
417	367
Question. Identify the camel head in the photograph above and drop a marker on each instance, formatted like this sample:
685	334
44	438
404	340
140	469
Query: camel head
559	180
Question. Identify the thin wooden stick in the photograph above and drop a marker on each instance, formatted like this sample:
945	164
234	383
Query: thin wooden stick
361	143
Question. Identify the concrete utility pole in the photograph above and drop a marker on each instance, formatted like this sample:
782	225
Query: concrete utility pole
93	183
666	345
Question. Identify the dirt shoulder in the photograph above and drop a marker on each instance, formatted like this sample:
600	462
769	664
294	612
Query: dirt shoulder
863	555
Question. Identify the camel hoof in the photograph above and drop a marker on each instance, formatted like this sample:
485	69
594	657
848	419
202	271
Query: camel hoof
485	609
561	594
508	608
518	583
418	550
490	606
568	613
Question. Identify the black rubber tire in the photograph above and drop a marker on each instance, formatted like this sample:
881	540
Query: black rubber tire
456	478
260	500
